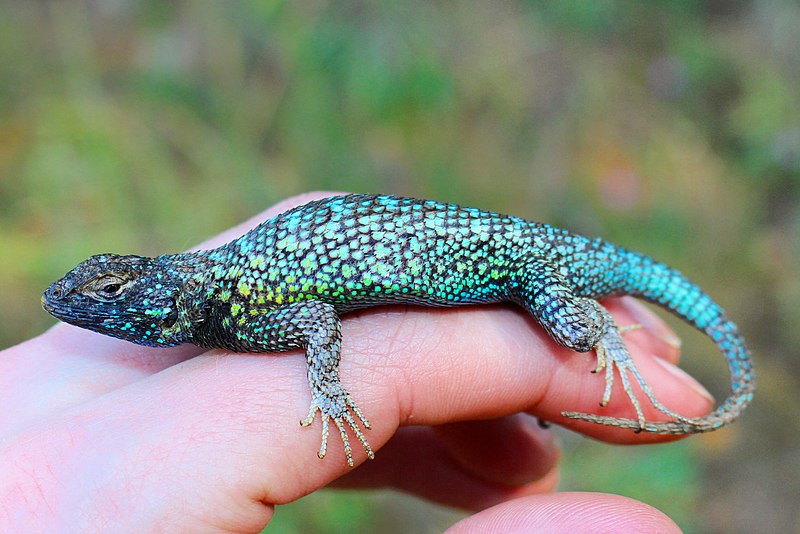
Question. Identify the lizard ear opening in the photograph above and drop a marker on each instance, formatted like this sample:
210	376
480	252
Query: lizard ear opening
171	318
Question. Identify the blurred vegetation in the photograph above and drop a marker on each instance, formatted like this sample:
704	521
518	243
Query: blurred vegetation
139	126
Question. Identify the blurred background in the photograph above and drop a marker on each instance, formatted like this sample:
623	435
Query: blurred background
673	128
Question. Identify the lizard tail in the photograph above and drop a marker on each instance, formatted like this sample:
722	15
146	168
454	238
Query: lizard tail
669	289
655	282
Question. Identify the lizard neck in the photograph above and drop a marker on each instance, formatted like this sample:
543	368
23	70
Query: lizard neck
189	275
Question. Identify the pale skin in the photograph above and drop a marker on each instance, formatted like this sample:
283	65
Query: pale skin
100	434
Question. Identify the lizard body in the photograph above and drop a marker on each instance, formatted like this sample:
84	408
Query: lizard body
284	284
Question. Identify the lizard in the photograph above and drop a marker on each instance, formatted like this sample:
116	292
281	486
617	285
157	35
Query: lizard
284	284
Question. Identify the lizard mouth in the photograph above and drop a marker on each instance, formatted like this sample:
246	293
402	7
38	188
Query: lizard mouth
55	303
47	300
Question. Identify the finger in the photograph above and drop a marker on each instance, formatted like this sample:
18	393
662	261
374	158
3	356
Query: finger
67	365
469	465
490	361
232	421
567	513
509	450
654	336
403	366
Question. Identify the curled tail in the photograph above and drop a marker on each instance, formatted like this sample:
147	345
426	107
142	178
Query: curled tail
657	283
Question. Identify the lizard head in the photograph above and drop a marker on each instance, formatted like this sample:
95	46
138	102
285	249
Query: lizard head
128	297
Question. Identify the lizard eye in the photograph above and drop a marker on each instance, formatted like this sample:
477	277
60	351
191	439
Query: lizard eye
108	288
111	289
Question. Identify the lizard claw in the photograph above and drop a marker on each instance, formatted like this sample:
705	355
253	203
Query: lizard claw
611	352
629	328
336	406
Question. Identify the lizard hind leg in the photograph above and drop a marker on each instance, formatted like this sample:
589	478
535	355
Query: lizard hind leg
611	353
582	324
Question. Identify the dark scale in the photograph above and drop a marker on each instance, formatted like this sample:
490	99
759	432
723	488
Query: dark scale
284	284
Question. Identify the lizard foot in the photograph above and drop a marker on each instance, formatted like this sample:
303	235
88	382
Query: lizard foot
335	404
611	352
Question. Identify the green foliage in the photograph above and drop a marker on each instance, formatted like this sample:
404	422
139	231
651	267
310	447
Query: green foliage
673	488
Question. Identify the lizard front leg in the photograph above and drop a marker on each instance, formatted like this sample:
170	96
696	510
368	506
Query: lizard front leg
324	339
314	326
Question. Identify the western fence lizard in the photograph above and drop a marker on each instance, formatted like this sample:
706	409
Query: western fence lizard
284	284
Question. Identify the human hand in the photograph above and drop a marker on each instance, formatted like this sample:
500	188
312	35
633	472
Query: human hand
100	434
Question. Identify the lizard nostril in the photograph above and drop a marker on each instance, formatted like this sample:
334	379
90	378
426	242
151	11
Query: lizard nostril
56	293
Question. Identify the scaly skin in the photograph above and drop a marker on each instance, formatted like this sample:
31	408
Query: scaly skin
284	284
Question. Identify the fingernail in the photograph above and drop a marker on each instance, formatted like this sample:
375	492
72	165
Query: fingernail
686	378
651	322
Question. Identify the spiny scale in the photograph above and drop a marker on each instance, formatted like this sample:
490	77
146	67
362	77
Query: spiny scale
284	284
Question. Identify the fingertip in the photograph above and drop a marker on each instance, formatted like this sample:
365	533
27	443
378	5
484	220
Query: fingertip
568	513
677	390
655	336
686	379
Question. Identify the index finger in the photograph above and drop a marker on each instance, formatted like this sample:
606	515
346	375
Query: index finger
232	421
